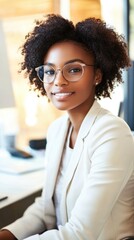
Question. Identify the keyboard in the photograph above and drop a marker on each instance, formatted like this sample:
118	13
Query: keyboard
3	197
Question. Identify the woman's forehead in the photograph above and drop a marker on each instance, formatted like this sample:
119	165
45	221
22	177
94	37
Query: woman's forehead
67	50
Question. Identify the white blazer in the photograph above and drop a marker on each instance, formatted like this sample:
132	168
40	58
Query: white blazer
98	195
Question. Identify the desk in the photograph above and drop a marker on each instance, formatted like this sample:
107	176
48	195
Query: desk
21	190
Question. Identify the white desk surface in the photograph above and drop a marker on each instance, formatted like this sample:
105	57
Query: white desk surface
18	186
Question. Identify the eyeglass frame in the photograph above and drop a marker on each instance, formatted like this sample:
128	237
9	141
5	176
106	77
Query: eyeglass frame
61	70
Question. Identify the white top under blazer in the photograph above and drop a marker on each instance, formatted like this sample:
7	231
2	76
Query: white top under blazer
97	201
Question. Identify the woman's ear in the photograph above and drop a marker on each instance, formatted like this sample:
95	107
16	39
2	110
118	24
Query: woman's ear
98	76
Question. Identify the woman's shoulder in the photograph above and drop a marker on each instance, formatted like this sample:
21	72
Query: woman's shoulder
110	126
107	118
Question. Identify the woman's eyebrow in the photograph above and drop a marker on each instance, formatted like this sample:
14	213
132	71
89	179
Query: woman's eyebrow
48	63
69	61
74	60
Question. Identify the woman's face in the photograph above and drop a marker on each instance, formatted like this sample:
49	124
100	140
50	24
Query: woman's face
66	95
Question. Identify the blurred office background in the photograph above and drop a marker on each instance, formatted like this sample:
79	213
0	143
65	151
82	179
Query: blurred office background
21	112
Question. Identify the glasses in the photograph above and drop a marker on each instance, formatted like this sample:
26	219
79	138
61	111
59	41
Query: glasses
72	72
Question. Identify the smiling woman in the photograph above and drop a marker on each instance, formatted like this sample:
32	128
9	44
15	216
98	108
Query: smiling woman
90	151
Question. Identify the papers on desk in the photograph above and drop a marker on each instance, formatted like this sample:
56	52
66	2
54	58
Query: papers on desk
14	165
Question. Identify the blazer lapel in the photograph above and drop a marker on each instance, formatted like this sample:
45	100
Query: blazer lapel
83	132
77	152
56	155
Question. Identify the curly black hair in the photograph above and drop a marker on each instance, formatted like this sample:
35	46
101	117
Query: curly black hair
108	48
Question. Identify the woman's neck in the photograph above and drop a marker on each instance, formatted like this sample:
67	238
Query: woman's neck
78	113
76	120
76	117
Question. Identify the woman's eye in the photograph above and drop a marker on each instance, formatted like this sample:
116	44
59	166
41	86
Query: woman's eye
74	70
49	72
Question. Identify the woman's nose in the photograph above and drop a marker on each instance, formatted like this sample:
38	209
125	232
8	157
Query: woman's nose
59	79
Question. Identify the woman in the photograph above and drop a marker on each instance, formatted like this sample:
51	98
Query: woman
89	188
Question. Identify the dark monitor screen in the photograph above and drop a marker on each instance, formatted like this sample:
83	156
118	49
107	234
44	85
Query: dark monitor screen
128	104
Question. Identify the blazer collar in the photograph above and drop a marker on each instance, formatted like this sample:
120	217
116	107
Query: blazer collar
89	120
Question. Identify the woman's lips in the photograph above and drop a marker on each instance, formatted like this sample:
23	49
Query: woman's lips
62	95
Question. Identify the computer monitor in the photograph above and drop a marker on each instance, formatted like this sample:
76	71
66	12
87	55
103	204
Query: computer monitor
8	120
7	99
129	98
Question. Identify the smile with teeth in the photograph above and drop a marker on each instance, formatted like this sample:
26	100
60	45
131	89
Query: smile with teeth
62	94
